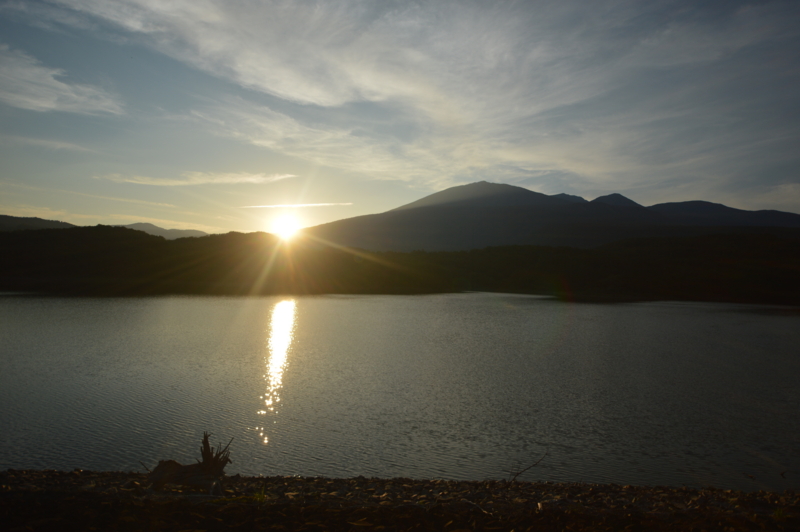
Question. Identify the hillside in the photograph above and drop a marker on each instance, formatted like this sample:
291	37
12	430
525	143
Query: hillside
16	223
110	261
169	234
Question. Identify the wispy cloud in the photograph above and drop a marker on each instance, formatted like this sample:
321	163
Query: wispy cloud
76	193
198	178
612	96
48	213
293	205
46	143
325	144
33	211
123	200
506	94
27	84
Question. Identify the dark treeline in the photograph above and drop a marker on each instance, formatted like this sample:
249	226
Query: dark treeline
112	261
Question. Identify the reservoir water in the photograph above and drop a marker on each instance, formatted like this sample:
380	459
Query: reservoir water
457	386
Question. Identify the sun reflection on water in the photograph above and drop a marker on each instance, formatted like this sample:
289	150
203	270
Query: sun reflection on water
281	334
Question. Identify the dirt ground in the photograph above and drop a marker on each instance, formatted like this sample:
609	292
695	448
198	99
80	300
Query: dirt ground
86	500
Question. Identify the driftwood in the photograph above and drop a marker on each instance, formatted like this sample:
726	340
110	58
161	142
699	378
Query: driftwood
205	474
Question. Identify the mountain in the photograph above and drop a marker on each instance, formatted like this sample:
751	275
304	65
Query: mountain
15	223
484	214
716	214
483	194
618	200
569	197
169	234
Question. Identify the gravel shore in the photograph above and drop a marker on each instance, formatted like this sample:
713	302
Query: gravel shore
86	500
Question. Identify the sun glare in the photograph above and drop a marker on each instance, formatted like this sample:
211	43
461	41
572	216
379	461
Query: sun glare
285	227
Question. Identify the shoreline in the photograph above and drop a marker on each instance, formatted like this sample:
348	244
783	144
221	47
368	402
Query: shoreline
81	500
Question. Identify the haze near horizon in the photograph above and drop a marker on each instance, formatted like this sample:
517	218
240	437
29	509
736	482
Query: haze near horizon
228	116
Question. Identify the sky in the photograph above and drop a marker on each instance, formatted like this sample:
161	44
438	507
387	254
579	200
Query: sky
226	115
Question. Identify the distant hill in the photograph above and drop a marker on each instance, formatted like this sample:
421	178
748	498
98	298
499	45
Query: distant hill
169	234
15	223
484	214
716	214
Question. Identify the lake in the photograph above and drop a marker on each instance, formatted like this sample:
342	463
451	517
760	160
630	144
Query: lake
457	386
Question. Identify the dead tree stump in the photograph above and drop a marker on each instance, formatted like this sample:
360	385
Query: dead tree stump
206	474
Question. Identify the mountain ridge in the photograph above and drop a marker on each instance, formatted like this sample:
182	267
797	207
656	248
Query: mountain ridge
21	223
16	223
484	192
169	234
483	214
618	200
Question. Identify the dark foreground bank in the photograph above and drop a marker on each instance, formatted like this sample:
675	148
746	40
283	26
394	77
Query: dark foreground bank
84	500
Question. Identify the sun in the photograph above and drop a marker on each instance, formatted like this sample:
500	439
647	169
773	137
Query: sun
285	226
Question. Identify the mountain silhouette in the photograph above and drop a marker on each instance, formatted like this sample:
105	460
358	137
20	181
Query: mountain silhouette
716	214
569	197
483	194
16	223
618	200
484	214
169	234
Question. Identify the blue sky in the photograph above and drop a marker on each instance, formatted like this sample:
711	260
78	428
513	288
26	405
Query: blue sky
199	113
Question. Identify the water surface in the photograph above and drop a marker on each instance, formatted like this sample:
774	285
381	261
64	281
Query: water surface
464	386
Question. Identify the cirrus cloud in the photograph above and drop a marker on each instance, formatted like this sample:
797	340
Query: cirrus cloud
618	95
27	84
198	178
